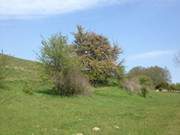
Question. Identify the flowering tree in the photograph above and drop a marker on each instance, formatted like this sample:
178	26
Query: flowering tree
98	56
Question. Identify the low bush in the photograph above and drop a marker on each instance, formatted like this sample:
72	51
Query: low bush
143	92
131	85
139	85
74	83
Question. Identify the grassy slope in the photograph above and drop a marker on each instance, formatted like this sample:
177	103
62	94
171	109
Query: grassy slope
44	114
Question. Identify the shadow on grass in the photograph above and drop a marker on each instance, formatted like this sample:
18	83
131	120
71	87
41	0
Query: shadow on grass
4	86
48	91
53	92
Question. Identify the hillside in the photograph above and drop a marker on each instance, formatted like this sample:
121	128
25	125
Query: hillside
20	69
111	109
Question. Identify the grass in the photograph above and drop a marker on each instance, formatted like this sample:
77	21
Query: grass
43	113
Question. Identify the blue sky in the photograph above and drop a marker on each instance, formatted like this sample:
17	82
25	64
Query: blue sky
147	30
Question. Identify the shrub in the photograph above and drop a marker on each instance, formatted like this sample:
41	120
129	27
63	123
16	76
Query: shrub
112	82
62	65
144	92
146	82
74	83
131	85
138	85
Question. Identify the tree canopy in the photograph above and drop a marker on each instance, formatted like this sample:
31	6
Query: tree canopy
98	56
157	74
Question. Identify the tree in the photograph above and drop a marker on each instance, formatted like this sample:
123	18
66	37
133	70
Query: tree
157	74
175	86
97	55
62	65
136	71
145	81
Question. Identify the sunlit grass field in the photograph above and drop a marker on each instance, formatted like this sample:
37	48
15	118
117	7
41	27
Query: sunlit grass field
111	109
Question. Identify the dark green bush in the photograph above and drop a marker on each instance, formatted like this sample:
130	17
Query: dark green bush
143	92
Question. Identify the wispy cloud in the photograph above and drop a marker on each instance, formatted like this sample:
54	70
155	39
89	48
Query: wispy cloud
35	8
151	55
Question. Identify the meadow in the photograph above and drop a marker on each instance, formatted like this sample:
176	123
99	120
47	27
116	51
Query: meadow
114	111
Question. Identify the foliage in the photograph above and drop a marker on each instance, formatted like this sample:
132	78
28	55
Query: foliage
175	87
97	55
75	83
155	74
139	85
146	84
131	85
159	75
145	81
144	92
62	65
136	71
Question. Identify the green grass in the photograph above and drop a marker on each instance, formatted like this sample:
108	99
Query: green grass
45	114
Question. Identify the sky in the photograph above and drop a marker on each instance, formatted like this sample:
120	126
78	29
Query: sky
148	31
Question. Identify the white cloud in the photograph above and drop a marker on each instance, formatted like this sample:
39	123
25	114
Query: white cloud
36	8
151	55
33	8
